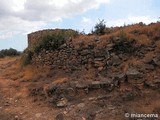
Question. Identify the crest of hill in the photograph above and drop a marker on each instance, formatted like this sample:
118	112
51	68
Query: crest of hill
140	32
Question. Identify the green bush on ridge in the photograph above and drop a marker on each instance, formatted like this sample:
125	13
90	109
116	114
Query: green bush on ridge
99	28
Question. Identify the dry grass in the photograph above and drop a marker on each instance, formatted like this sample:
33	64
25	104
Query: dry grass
142	34
28	72
131	62
60	80
83	38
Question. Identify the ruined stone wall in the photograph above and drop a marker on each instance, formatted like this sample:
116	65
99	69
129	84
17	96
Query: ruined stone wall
36	36
72	58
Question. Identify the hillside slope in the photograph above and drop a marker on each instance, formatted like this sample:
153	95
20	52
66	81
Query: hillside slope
87	78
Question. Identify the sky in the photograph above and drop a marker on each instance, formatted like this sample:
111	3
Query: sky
21	17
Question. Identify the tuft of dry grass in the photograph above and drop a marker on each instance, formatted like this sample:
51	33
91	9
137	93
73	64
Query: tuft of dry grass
60	80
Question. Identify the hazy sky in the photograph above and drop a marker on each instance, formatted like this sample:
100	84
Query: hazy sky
20	17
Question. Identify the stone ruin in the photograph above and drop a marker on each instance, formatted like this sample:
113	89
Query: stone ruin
70	57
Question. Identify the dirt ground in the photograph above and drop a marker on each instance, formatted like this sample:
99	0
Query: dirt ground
15	103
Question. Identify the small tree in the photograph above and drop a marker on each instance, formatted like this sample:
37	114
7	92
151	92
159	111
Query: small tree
9	52
99	28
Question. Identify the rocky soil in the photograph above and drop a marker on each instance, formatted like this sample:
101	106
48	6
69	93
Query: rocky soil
24	97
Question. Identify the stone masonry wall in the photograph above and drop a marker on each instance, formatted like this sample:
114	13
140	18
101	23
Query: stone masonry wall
71	58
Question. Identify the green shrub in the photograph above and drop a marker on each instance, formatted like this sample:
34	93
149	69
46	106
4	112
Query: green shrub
99	28
9	52
53	41
26	57
123	44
